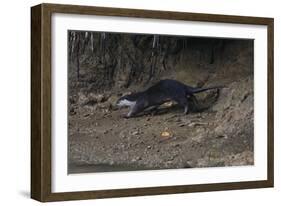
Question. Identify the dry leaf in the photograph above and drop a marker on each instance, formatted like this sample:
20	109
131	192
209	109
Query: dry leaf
165	134
168	104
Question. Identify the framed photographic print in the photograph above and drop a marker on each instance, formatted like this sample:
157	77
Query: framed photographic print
130	102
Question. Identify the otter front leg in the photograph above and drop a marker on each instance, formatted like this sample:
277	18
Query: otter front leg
154	109
137	108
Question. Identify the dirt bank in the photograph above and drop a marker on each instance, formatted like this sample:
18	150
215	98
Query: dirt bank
219	136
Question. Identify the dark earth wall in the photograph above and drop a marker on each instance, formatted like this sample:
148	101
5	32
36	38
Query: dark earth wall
101	61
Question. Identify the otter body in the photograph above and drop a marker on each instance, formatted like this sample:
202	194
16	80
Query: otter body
161	92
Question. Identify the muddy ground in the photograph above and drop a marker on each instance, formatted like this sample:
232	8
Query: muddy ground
220	134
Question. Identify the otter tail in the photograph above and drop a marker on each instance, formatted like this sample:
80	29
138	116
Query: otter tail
198	90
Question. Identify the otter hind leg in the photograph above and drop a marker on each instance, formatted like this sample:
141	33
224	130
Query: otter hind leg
193	99
193	103
184	103
186	109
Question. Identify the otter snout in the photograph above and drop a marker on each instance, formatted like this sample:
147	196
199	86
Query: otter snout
125	103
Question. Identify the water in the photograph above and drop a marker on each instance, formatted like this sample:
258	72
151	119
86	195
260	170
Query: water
85	168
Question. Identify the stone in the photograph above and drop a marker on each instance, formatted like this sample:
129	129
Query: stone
135	133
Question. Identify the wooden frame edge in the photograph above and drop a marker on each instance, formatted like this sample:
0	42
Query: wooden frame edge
157	14
270	99
41	102
84	195
36	139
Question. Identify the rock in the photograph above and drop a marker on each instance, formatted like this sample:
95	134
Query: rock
192	124
136	133
136	159
97	97
90	99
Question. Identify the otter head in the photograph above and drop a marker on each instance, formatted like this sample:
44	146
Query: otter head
126	101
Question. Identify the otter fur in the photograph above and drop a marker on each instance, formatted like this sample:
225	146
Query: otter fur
161	92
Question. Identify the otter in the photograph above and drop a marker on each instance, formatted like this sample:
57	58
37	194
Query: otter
163	91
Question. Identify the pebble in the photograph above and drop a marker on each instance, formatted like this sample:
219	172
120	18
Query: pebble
193	124
135	133
136	159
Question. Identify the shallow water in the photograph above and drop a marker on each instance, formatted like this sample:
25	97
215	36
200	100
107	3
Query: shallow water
86	168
